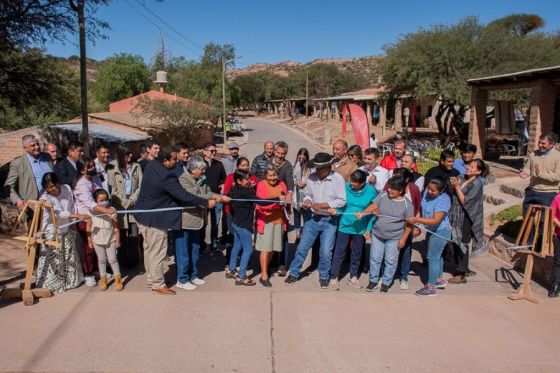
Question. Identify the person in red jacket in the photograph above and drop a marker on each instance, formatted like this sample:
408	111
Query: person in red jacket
394	160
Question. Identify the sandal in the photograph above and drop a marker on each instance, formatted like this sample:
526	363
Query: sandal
231	273
245	281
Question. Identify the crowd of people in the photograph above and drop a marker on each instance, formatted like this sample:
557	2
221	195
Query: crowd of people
129	209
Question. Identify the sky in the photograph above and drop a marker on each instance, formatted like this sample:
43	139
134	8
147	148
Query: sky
285	30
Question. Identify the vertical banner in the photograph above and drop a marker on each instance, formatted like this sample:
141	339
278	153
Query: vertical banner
359	126
344	115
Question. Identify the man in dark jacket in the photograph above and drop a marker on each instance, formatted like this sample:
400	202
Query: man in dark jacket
161	189
444	170
215	178
66	168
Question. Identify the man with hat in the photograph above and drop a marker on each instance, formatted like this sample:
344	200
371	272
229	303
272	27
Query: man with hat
230	162
325	190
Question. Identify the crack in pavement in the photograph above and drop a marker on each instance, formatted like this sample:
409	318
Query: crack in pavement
272	346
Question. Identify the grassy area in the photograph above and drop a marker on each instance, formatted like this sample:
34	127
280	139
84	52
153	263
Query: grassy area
510	220
512	213
424	166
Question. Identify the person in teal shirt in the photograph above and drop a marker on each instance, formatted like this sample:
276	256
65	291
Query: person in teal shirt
359	195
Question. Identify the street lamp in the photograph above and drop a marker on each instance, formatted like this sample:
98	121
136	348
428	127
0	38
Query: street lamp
224	62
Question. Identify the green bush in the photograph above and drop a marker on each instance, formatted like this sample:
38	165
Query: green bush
434	153
510	214
424	166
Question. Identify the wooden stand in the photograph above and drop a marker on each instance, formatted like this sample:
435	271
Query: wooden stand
531	223
25	292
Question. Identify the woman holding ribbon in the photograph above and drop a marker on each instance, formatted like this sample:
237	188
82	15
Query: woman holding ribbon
59	269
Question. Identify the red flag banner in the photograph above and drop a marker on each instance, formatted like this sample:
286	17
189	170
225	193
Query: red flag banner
344	115
359	126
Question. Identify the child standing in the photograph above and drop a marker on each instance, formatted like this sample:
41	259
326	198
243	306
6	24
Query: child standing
390	231
243	215
105	239
359	195
435	217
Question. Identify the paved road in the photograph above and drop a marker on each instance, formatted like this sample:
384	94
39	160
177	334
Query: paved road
224	328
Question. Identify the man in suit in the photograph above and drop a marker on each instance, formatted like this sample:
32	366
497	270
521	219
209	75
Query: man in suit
66	168
161	189
26	172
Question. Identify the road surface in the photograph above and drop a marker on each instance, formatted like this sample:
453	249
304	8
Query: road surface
223	328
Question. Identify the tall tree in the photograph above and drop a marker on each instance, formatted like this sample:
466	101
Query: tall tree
439	60
124	75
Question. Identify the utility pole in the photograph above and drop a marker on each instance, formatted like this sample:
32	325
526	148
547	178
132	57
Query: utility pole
306	93
224	62
224	100
83	77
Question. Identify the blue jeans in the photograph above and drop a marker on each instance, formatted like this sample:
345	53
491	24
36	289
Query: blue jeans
380	248
242	242
435	249
326	228
356	248
405	257
187	252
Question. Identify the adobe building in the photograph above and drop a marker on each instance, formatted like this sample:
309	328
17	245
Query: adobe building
544	109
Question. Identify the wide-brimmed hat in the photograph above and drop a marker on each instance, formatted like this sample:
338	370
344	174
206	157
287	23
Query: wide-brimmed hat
321	160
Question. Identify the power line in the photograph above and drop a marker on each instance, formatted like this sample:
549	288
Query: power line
162	30
143	5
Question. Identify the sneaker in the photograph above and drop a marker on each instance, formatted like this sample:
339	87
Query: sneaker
470	273
441	284
333	284
197	281
372	286
324	283
354	282
90	281
186	286
384	289
290	280
404	285
426	291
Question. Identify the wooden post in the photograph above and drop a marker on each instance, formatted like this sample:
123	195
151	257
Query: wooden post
477	129
27	294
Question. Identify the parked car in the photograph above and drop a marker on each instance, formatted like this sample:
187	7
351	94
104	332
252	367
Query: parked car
234	126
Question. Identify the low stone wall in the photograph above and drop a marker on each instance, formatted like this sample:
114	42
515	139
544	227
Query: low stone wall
497	245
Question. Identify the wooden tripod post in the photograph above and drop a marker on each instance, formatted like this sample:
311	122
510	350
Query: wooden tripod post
531	224
25	292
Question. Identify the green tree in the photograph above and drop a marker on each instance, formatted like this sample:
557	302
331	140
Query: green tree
439	60
124	75
52	94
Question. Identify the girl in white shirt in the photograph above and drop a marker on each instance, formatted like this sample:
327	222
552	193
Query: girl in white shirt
105	239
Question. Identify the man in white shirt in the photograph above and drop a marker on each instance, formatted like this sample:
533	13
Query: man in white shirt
325	189
377	175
